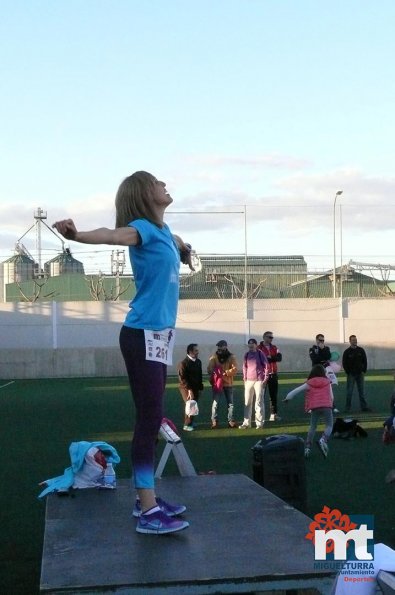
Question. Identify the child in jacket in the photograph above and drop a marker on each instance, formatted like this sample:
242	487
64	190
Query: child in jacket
318	400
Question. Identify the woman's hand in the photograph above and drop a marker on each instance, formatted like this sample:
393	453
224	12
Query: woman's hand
186	258
66	228
185	252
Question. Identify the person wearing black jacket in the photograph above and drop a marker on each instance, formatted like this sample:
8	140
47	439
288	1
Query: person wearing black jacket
273	356
355	364
190	380
321	354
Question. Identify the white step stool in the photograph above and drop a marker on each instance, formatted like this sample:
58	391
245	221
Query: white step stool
174	444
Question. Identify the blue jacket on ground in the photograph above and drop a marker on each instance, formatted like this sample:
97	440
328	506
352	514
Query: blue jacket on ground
77	452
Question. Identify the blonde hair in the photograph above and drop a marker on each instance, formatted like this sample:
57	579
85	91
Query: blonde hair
134	199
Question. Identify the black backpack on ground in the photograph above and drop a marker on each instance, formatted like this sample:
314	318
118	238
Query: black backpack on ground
347	429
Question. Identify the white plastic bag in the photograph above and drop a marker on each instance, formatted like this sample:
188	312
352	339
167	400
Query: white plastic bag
330	374
93	472
191	408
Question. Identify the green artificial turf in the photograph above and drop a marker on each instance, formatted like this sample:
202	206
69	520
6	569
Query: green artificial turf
39	419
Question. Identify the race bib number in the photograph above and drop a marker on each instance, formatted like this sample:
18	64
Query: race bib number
159	346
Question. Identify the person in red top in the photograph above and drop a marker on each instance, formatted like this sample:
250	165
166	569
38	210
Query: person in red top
273	355
318	400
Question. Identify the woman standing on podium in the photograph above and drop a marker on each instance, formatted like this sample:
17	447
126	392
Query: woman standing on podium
147	336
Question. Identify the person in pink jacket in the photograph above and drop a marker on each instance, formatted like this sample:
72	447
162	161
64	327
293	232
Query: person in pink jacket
318	400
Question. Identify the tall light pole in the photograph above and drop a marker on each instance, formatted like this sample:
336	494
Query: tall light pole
341	251
245	255
338	193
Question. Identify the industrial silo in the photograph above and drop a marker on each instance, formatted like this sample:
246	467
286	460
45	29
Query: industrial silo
18	268
63	264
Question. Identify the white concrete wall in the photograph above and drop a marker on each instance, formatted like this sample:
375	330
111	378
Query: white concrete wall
81	338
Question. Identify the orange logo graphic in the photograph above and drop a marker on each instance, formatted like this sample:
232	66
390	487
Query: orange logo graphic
327	520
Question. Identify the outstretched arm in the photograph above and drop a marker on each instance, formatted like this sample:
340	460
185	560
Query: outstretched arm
294	392
122	236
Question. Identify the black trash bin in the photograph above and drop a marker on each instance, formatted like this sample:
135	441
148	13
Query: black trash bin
279	466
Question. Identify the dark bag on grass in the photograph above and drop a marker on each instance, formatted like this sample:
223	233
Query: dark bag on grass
347	429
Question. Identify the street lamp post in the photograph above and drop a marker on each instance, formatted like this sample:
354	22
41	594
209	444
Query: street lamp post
338	193
245	255
341	251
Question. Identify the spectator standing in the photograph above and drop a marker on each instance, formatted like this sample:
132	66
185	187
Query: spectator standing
224	363
318	401
255	375
190	380
273	356
355	365
321	354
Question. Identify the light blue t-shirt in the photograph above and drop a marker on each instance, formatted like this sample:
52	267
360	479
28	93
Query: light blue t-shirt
156	265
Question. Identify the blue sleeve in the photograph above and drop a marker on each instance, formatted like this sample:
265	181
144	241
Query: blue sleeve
145	229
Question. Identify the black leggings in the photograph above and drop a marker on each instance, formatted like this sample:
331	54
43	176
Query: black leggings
147	381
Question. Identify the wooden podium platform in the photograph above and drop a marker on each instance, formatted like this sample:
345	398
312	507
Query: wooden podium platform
241	539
